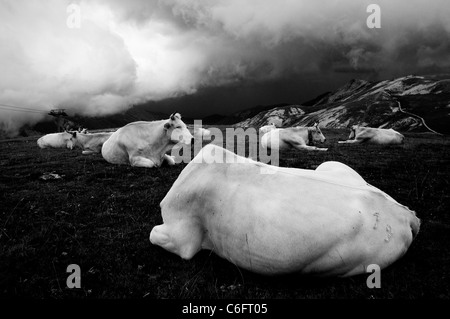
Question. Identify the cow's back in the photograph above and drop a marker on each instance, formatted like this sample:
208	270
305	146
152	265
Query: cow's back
278	139
380	136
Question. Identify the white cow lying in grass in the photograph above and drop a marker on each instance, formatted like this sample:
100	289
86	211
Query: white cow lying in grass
371	135
267	128
145	144
298	137
90	143
56	140
327	222
201	133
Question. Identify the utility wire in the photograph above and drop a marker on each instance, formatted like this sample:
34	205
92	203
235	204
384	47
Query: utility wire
20	109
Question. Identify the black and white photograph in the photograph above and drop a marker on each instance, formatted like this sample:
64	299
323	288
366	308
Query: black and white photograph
223	154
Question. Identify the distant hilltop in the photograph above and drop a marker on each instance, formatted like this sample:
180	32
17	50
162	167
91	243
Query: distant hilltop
410	103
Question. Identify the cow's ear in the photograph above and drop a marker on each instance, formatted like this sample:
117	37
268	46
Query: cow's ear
167	126
173	115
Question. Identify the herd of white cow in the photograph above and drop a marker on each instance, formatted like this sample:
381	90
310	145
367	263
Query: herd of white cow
326	222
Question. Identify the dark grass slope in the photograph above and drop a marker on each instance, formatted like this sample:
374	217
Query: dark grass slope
99	216
433	108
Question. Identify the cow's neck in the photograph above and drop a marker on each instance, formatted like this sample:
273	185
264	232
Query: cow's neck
162	145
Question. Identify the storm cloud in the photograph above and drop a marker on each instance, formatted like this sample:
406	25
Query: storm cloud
130	52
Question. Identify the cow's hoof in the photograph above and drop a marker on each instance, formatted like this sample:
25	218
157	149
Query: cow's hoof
171	160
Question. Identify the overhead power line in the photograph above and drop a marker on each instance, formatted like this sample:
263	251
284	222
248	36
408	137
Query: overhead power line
20	109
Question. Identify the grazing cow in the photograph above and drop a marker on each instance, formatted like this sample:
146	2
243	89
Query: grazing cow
145	144
90	143
293	137
56	140
267	128
325	222
201	133
371	135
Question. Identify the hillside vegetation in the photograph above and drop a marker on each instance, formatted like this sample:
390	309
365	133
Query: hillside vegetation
99	216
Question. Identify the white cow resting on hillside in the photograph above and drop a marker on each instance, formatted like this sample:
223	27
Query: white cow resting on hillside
202	133
360	134
56	140
266	128
145	144
298	137
90	143
327	221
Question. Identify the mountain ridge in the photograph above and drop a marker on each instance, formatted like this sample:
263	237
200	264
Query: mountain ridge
404	104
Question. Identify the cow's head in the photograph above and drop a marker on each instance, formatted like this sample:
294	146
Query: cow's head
316	134
68	138
353	132
74	139
177	130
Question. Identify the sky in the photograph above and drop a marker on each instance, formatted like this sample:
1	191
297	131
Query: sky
100	57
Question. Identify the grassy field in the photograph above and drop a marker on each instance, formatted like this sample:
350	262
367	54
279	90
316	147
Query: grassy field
99	216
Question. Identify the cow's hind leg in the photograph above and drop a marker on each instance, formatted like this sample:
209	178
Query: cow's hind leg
140	161
305	147
349	142
169	159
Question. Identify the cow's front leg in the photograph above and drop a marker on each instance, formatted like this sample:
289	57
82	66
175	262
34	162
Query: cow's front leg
170	159
305	147
139	161
161	237
87	152
348	142
183	238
